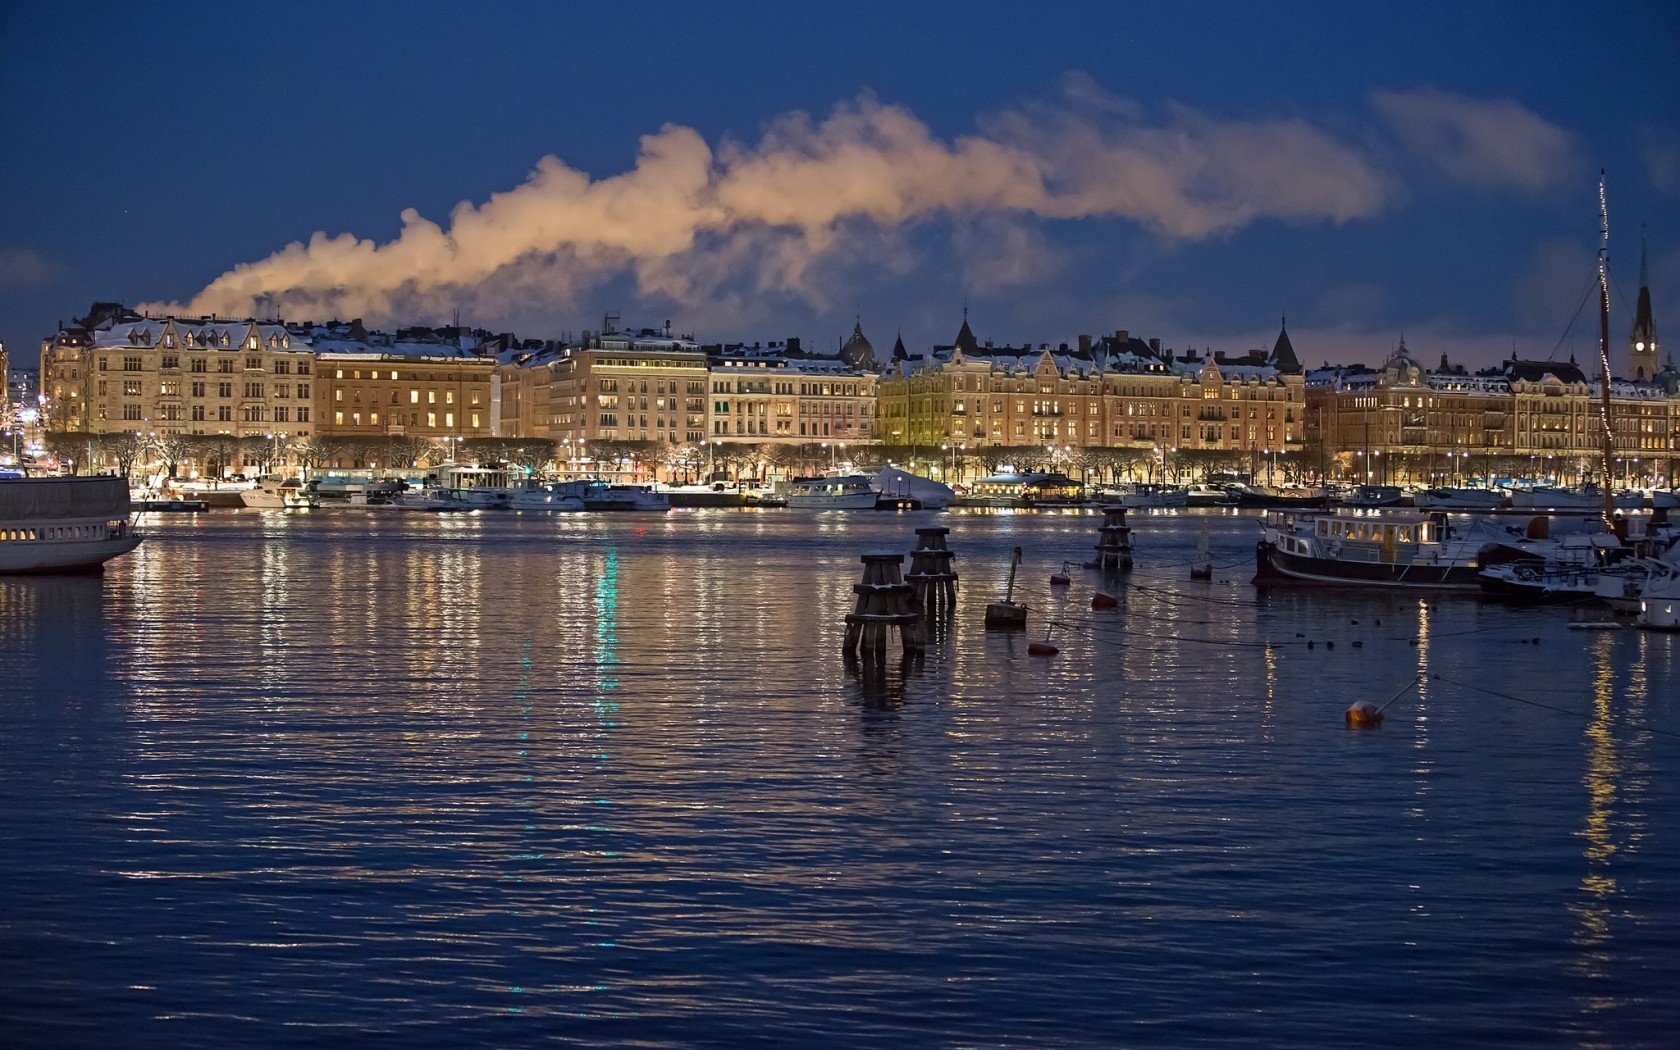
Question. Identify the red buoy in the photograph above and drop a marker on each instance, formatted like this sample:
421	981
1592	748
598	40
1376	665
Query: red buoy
1092	565
1101	600
1058	580
1364	714
1041	649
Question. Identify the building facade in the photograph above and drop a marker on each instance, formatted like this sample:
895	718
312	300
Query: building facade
774	396
1541	420
621	386
124	372
1115	391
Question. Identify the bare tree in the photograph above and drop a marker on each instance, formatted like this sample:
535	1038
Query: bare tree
313	453
124	448
171	448
71	450
408	451
221	454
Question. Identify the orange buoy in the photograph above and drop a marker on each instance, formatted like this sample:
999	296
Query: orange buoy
1058	580
1092	565
1041	649
1364	714
1100	600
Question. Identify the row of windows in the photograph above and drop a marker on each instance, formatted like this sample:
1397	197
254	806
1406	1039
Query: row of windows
172	362
372	418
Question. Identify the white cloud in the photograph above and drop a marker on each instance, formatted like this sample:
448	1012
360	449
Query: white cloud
1489	144
785	217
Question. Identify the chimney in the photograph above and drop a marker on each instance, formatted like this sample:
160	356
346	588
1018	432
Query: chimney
1122	337
1085	344
1155	345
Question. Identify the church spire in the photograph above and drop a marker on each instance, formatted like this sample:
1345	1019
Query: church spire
1643	353
965	335
1283	351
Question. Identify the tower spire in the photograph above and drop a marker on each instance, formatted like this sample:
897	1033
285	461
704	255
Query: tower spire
1644	355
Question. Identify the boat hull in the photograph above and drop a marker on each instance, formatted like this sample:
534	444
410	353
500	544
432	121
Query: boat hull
1275	567
43	557
847	501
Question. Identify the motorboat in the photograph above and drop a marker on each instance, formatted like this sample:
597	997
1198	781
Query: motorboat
276	493
1281	497
1613	566
853	492
54	525
1659	606
352	491
1353	549
535	495
1207	496
1587	498
1371	497
433	499
1665	499
1461	499
1150	497
625	498
901	485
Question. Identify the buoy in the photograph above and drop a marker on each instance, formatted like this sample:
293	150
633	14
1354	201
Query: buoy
1359	645
1329	645
1063	578
1356	623
1377	622
1364	714
1309	644
1041	649
1100	600
1092	565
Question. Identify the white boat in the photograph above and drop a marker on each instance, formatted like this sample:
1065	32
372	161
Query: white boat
842	493
483	488
63	524
1411	551
625	498
1659	606
1207	496
1587	497
1665	499
276	493
534	495
343	490
901	484
1460	499
1152	497
432	499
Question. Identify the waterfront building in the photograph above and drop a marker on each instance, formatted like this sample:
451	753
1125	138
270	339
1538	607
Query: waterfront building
1402	423
1113	391
117	371
520	387
420	383
778	394
644	386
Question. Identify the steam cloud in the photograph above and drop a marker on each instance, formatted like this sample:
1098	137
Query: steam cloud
694	224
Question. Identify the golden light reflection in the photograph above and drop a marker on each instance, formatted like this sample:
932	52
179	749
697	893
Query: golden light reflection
1598	882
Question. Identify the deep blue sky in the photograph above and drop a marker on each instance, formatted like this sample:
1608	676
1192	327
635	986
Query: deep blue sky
149	148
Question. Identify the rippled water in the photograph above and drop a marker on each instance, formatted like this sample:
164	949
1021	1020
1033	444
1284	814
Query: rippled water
490	779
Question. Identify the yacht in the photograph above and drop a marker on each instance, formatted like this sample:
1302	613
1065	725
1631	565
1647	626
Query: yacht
1208	496
1285	497
1462	500
63	524
625	497
855	492
1587	497
276	493
340	490
1368	497
433	499
534	495
1659	606
1152	497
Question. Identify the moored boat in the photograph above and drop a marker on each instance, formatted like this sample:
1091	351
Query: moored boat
1269	496
1369	497
853	492
52	525
1461	499
893	483
1150	497
556	497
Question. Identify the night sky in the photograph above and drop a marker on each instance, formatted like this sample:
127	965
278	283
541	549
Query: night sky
759	171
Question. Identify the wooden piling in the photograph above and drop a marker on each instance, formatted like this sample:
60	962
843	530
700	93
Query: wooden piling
884	602
932	578
1114	539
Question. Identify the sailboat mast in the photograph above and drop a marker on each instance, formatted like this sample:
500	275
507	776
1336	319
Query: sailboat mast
1604	350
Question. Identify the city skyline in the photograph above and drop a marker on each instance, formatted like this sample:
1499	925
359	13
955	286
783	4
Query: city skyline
1126	181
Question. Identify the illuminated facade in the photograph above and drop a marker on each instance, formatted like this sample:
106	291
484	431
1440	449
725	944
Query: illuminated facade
623	386
1536	419
1112	392
404	390
121	372
769	395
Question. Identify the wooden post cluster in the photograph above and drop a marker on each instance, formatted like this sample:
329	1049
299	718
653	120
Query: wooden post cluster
931	576
1114	542
884	601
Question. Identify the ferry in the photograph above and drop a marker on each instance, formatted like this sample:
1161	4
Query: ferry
856	492
54	525
1345	549
535	495
597	496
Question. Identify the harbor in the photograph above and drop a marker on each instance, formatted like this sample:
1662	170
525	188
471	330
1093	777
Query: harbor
576	725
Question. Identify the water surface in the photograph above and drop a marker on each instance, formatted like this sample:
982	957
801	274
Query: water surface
494	778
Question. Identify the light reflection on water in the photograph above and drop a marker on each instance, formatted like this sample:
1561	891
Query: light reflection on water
493	778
